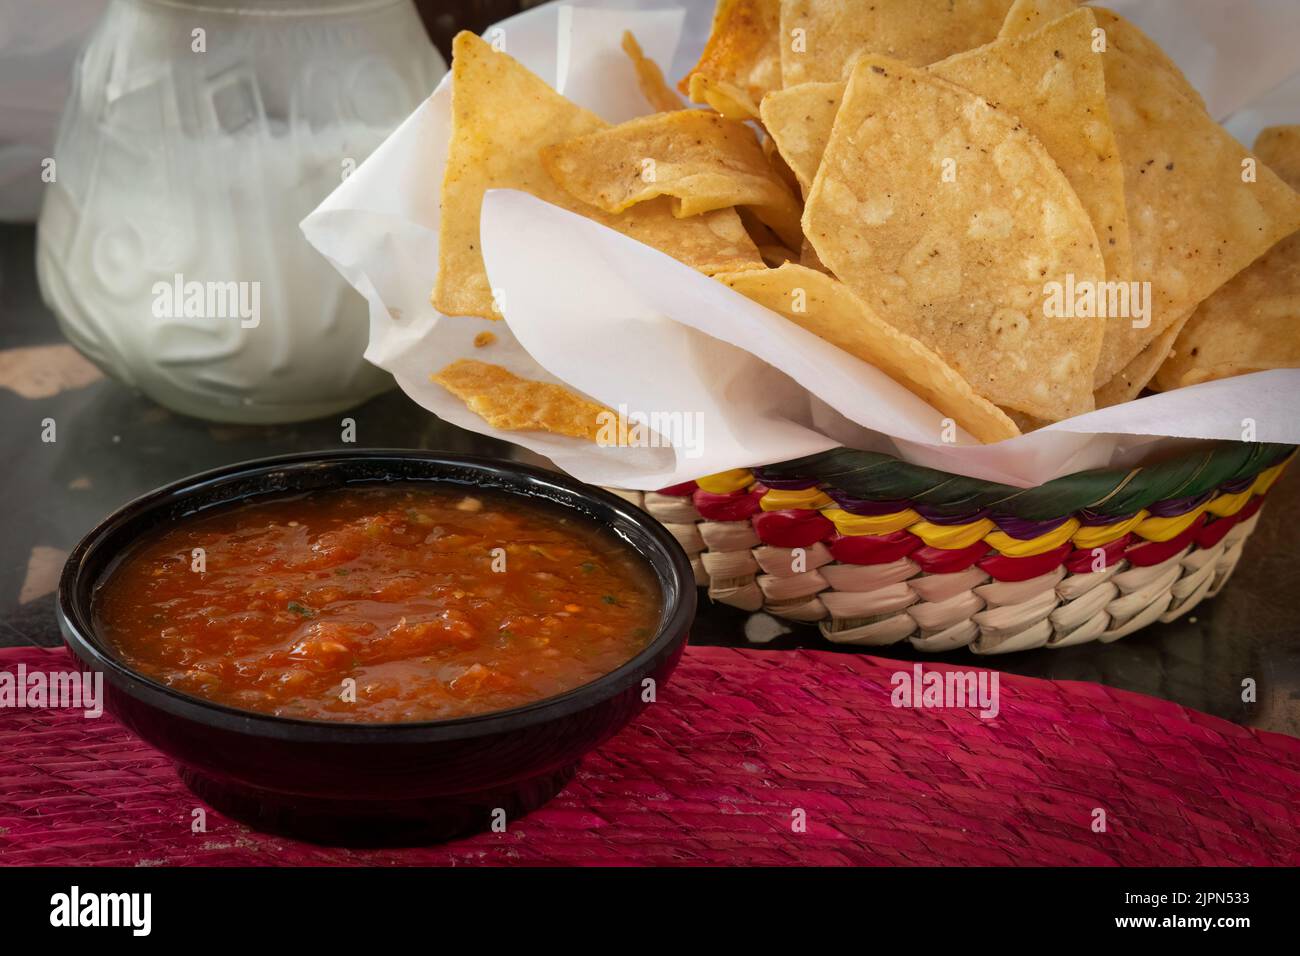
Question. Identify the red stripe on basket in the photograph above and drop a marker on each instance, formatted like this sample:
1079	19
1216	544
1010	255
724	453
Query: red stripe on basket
793	528
1153	552
679	491
738	506
1002	568
1252	506
947	560
1215	531
873	548
1081	560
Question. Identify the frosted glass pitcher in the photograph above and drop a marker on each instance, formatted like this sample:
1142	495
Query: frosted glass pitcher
195	138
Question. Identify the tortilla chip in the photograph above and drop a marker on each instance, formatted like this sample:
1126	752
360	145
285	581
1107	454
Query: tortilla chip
650	78
703	161
1137	374
1252	323
1138	44
501	116
775	256
833	313
1026	423
1278	147
799	120
1055	83
510	403
779	164
1051	80
741	60
808	257
1029	16
1193	222
769	246
761	234
917	32
950	219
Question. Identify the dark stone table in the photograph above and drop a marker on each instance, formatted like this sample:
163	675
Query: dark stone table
114	445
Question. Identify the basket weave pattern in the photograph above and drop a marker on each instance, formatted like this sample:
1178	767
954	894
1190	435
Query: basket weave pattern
959	563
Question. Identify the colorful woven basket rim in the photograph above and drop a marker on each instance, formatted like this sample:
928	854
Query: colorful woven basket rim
877	551
1098	496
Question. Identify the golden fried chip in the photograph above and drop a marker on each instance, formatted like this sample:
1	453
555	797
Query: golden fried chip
1026	423
950	219
510	403
761	234
1051	80
1054	82
1029	16
1278	147
769	245
779	164
703	161
808	257
1196	216
501	116
799	120
650	78
820	38
1127	384
775	256
825	307
741	60
1252	323
1139	45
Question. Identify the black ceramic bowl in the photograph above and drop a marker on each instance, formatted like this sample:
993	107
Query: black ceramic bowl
374	783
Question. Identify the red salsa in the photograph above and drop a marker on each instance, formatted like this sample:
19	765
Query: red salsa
379	604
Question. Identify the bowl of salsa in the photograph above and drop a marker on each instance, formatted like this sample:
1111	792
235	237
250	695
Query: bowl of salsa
377	646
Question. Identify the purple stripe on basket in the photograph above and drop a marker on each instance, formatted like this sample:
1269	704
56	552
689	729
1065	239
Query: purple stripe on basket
1091	519
1024	529
1179	506
934	516
1237	485
864	506
785	484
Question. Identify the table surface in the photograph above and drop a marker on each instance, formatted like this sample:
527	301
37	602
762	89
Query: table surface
113	445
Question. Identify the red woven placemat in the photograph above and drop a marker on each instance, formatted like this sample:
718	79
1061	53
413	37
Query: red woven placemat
715	771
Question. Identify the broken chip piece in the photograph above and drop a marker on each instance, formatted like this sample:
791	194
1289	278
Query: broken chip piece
510	403
703	161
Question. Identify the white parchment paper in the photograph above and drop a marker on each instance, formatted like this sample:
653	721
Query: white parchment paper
635	329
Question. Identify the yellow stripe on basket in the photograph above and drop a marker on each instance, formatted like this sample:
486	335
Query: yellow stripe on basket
851	524
1225	506
952	537
726	482
1097	535
1162	529
1011	547
1267	477
777	500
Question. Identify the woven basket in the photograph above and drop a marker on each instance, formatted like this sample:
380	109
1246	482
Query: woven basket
876	551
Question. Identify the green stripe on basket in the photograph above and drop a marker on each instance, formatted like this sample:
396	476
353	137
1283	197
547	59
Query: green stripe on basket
872	475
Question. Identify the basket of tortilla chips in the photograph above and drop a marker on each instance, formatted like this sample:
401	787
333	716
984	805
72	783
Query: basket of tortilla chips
1018	211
